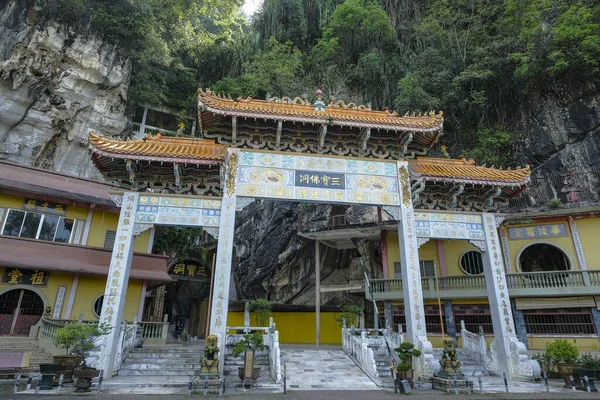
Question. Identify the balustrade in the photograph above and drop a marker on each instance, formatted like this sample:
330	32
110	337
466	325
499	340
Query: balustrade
555	283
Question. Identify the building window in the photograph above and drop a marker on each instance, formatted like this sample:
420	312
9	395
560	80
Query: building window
427	269
543	257
432	319
38	226
560	321
109	239
97	309
474	316
471	263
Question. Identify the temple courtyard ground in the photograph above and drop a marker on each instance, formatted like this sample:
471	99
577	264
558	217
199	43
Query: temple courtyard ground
322	395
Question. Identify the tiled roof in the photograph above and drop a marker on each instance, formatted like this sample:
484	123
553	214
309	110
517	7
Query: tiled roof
159	147
441	169
336	114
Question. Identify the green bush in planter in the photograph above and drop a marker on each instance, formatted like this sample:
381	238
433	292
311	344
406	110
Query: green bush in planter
562	351
250	341
351	314
406	352
262	308
78	338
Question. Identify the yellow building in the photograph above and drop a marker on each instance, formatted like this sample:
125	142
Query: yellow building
56	237
552	270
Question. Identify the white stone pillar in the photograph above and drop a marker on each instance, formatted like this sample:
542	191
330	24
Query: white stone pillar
117	282
411	277
222	273
507	353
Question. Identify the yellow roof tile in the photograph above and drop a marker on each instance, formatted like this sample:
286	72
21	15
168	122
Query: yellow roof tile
466	170
159	146
431	122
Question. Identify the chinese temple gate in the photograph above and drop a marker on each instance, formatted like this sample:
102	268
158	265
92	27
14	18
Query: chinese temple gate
289	149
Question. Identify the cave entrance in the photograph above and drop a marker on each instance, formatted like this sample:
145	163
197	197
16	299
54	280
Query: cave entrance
543	257
187	297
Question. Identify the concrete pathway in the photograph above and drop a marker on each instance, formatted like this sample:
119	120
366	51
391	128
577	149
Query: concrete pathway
323	368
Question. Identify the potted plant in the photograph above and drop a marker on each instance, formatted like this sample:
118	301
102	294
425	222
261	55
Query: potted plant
248	345
79	339
262	308
406	352
590	368
67	337
565	356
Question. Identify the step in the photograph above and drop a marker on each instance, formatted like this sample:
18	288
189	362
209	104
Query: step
165	356
182	350
160	372
146	367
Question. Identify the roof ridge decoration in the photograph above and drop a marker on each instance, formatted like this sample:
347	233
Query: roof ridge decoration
336	113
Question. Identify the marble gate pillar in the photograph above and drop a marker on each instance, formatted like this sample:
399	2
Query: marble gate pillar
508	354
222	272
414	309
117	282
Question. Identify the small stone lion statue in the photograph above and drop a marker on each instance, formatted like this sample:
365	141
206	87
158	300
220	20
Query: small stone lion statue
210	363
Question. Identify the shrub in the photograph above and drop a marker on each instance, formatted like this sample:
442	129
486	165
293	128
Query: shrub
555	203
562	351
250	341
78	338
262	308
351	314
406	352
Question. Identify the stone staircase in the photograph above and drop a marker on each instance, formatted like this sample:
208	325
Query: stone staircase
16	344
470	368
384	370
163	361
323	368
232	363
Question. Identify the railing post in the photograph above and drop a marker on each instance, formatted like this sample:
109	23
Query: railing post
165	329
586	279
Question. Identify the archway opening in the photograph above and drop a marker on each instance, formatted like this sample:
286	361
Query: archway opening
543	257
20	309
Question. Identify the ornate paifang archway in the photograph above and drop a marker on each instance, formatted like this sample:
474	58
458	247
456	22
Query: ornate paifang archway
246	174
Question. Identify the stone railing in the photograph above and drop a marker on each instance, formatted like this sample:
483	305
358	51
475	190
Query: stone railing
128	340
48	329
474	346
155	332
270	340
554	283
355	344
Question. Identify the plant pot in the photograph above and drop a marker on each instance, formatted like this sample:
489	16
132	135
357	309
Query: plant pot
67	366
244	372
255	373
84	378
565	370
406	375
48	372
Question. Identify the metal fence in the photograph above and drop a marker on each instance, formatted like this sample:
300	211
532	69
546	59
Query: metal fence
567	321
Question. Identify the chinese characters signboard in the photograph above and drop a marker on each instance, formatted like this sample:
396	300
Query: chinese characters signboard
189	270
25	277
536	232
320	179
44	206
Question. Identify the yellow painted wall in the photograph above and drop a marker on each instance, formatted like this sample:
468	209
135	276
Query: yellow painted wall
90	287
454	249
564	243
105	220
298	327
588	229
582	343
88	290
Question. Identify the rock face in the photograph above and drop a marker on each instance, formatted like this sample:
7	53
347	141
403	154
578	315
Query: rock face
271	260
54	87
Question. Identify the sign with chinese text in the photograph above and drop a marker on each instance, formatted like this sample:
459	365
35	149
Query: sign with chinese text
25	277
44	206
317	178
189	270
536	232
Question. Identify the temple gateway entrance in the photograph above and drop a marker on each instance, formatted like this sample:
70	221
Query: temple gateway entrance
20	309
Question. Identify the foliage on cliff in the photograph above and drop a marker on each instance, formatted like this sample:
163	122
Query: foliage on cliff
481	61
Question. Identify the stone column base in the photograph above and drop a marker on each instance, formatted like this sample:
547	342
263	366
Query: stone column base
427	366
520	365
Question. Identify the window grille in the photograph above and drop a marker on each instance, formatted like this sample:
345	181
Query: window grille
560	321
432	319
427	269
109	239
97	308
474	316
471	263
38	226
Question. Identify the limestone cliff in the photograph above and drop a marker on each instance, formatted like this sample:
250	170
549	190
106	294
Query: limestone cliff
54	87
